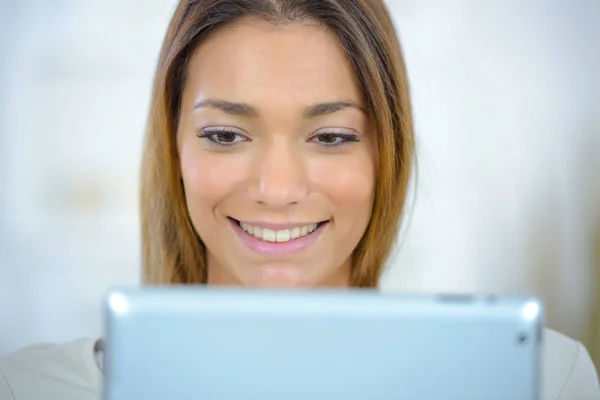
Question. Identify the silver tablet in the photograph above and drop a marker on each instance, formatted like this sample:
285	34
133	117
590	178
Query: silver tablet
233	344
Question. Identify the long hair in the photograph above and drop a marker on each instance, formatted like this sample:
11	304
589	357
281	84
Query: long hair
172	250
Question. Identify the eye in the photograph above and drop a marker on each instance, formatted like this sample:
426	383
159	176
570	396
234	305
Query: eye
223	135
334	137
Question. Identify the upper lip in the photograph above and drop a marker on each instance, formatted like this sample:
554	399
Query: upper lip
277	226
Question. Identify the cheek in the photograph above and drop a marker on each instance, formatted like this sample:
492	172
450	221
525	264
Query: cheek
349	184
206	178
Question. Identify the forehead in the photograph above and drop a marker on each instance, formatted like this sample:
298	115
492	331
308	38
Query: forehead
254	61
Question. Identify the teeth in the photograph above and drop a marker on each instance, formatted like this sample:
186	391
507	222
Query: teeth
285	235
295	233
269	235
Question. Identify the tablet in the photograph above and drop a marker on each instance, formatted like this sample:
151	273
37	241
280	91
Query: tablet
209	343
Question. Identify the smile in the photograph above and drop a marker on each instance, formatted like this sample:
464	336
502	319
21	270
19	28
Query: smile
278	239
279	236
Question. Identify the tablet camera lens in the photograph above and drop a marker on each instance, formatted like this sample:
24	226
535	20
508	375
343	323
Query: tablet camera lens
522	338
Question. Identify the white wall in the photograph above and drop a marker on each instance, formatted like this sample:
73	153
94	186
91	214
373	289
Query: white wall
506	105
507	102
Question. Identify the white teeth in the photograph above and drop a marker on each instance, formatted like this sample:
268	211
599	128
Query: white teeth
295	233
285	235
269	235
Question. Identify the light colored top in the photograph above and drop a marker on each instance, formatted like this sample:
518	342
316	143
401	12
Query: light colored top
71	372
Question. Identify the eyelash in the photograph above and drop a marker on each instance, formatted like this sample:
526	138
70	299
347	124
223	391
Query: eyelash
346	138
212	134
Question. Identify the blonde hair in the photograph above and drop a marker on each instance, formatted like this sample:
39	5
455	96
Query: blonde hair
172	252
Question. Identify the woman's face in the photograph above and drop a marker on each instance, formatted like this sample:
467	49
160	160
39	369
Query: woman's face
277	156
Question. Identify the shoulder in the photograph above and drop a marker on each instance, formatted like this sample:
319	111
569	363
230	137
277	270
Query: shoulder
567	369
66	371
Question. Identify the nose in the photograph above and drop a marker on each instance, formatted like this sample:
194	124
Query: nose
280	178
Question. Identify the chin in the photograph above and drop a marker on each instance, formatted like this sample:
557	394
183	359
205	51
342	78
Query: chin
274	277
274	284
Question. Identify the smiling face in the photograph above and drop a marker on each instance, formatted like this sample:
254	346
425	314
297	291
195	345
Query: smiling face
277	156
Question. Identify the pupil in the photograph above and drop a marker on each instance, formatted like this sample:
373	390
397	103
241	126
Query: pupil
328	138
226	137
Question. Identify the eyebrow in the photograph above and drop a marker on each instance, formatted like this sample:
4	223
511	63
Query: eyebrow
245	110
240	109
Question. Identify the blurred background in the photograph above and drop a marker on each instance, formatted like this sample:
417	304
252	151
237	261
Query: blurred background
507	197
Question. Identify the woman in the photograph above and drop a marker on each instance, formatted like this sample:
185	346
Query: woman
278	153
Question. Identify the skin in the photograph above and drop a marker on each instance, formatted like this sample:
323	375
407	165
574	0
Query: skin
281	166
